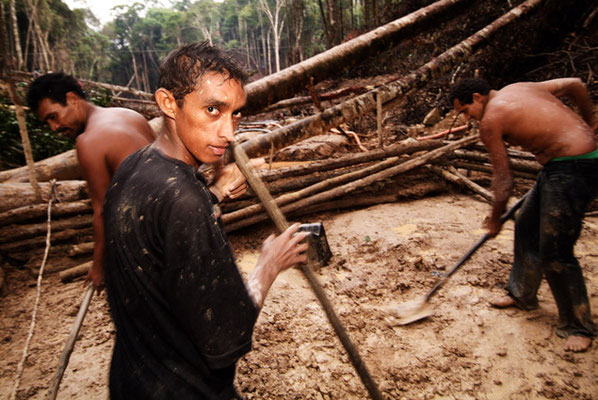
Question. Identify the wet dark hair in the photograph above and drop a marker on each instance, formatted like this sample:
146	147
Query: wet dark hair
465	88
53	86
184	67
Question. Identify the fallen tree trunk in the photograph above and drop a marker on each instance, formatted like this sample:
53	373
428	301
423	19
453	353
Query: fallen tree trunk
15	195
36	211
359	183
366	103
289	81
296	101
61	167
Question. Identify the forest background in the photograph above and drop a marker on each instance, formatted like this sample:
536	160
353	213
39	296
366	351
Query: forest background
264	35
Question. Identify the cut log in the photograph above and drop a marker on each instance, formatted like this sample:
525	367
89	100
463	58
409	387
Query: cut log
366	103
473	166
81	249
289	81
72	273
61	167
75	235
519	165
15	232
526	155
292	184
16	194
36	211
359	183
405	147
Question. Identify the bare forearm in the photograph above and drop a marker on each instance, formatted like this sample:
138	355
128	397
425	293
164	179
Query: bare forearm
99	241
259	283
501	187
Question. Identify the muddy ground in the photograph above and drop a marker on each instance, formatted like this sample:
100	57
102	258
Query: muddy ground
382	255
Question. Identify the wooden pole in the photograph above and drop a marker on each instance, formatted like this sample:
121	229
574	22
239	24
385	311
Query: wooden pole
70	344
281	223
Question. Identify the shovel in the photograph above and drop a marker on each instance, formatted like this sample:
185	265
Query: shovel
419	309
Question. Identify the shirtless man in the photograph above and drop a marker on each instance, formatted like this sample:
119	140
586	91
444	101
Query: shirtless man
104	137
529	114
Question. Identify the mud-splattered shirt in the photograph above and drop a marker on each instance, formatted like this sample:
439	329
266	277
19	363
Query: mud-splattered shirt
182	314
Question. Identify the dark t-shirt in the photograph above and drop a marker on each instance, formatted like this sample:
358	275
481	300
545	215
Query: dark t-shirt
183	316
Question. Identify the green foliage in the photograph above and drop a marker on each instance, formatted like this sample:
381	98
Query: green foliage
44	143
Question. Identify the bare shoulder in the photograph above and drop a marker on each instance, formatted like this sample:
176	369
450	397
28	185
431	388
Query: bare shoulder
117	123
116	118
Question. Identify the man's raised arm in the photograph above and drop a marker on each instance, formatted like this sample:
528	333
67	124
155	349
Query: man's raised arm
574	89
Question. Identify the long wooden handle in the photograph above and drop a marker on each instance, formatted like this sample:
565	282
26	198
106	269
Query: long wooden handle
505	217
70	344
282	224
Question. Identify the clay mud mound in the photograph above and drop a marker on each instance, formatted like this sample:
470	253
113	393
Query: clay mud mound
382	256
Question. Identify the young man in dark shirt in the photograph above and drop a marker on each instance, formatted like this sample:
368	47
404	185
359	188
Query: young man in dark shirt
182	312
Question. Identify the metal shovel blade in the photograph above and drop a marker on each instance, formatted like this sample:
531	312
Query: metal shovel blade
411	311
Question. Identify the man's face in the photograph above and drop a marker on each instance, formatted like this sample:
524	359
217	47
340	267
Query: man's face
64	120
209	116
474	110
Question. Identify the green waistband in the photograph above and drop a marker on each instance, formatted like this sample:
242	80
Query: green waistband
592	154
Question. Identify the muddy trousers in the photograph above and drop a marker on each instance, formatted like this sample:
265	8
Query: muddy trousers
546	230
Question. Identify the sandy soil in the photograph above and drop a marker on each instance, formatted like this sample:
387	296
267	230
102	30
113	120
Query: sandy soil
382	256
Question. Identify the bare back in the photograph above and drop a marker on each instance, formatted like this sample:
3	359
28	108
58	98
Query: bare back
530	115
110	136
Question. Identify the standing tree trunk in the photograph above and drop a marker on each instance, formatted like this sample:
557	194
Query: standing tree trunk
42	46
276	23
325	25
5	60
24	137
15	33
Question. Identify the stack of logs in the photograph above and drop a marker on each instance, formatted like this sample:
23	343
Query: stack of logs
408	169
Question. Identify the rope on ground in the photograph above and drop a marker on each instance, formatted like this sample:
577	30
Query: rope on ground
37	295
